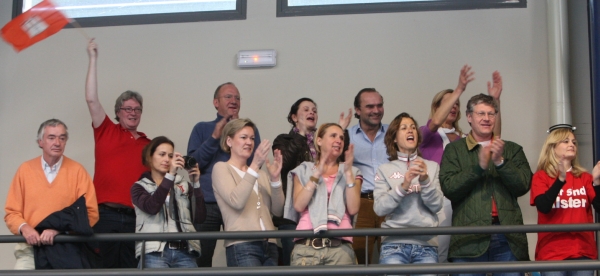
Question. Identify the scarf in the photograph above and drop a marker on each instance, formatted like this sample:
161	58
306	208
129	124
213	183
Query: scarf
310	137
442	131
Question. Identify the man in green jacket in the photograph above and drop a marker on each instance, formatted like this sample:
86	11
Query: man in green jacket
483	176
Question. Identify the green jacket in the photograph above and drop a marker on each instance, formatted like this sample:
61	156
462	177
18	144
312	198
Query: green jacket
470	188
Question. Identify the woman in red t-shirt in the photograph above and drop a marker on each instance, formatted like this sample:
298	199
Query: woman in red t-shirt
563	192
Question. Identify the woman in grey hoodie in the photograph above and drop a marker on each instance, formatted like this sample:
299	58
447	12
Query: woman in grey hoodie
407	191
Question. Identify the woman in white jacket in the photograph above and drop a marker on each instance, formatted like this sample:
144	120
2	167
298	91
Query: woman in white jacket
165	202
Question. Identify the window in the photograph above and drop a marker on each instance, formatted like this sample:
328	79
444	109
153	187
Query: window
94	13
327	7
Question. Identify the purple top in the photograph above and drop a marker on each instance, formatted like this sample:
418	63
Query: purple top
432	146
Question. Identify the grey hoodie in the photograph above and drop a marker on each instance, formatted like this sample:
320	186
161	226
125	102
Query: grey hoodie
407	210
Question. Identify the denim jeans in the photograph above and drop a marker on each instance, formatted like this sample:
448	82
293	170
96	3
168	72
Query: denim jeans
570	273
170	258
498	251
213	222
253	253
116	254
287	245
402	253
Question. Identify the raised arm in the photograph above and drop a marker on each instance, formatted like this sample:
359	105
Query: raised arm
151	203
274	169
203	145
495	90
200	211
91	87
352	193
441	113
513	169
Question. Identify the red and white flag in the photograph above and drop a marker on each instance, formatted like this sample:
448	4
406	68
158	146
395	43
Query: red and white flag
38	23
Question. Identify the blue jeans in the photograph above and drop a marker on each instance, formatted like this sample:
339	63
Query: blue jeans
570	273
116	254
213	222
498	251
287	245
253	253
170	258
403	253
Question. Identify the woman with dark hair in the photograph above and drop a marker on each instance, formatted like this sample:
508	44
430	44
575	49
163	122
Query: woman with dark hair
324	196
563	192
248	196
407	192
296	147
443	128
165	202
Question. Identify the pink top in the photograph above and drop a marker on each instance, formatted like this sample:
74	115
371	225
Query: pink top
305	224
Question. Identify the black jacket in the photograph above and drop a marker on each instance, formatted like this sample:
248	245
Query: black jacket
65	255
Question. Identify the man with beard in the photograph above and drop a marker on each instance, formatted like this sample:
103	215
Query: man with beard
204	147
369	152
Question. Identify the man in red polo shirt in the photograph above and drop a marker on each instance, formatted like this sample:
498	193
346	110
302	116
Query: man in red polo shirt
118	165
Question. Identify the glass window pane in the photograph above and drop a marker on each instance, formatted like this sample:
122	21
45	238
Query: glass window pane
328	7
295	3
99	8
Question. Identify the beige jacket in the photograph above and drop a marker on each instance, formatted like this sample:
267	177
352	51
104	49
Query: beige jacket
240	206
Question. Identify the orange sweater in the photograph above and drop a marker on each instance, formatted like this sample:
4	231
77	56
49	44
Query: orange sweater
31	198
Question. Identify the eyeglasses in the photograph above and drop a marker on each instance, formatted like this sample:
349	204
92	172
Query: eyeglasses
229	97
128	109
482	114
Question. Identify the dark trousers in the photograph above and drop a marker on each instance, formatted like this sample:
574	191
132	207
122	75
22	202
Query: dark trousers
116	254
213	222
287	245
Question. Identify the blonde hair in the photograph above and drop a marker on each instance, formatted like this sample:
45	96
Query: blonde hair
231	129
437	101
320	134
548	160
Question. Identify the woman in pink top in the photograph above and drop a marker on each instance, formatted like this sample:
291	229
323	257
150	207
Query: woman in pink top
325	195
443	128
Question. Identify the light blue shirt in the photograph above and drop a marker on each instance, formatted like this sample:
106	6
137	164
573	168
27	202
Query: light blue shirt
368	155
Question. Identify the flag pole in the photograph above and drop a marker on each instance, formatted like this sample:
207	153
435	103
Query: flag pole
79	28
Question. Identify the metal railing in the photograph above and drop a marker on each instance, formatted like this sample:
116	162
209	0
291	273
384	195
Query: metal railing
442	268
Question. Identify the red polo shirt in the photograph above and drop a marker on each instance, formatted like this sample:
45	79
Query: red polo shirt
118	162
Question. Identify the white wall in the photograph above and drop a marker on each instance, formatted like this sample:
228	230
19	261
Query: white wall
408	57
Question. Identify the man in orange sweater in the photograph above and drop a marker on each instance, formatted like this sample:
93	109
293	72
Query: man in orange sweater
42	186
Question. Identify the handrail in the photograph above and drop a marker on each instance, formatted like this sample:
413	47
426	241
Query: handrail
439	268
453	230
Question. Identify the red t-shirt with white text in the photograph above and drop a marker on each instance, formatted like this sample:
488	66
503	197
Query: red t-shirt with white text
572	205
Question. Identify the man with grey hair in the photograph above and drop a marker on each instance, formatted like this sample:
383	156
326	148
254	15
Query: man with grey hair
42	186
118	155
483	176
204	147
